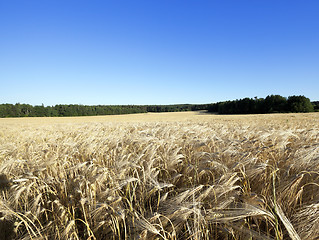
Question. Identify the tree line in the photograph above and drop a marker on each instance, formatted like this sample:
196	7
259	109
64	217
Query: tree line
65	110
270	104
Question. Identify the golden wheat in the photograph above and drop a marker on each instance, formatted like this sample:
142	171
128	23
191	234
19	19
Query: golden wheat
160	176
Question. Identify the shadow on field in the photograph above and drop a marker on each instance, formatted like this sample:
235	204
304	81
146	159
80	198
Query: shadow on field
205	112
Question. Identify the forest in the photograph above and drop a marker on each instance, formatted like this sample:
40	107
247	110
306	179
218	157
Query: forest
66	110
270	104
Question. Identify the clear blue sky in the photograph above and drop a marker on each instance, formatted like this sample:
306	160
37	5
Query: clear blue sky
157	51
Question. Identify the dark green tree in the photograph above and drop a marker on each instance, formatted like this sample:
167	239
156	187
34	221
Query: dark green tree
315	105
299	104
275	104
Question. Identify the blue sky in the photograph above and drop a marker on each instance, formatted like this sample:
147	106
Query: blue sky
157	51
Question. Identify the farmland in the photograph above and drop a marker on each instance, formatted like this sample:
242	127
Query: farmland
185	175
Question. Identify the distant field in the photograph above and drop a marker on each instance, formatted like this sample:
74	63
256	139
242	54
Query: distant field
166	117
182	175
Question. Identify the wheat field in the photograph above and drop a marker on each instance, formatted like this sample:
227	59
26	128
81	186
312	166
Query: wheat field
160	176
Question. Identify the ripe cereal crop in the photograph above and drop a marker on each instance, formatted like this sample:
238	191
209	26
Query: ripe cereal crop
160	176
